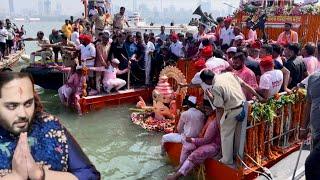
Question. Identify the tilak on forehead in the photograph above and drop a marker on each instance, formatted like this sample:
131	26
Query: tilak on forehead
20	91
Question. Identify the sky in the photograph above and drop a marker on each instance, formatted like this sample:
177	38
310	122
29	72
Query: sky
75	6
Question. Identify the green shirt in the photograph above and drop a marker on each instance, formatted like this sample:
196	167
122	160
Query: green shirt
55	39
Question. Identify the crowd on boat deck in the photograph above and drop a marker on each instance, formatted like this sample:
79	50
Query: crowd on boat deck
10	38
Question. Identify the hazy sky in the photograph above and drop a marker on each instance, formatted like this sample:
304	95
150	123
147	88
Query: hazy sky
75	6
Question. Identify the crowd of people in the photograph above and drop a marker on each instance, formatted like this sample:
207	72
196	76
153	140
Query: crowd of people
10	38
233	69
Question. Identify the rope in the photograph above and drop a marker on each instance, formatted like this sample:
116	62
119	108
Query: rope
252	170
267	172
201	172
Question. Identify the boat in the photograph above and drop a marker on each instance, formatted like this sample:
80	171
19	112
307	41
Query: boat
129	96
263	142
136	20
34	19
12	59
19	19
46	77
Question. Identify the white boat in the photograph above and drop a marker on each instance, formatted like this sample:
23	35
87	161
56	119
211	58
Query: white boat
19	19
34	19
136	20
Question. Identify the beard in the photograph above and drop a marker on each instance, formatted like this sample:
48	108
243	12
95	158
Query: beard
18	126
237	68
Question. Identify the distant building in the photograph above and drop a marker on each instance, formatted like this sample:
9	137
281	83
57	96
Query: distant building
47	7
58	10
40	7
11	7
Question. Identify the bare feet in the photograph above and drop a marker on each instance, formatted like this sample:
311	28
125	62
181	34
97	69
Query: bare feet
174	176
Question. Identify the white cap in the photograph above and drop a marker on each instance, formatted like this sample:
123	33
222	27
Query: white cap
232	49
116	61
239	37
192	99
106	31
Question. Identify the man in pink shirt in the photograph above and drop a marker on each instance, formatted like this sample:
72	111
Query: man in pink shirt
309	59
244	73
288	36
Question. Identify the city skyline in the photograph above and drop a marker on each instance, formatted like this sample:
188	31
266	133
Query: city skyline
71	7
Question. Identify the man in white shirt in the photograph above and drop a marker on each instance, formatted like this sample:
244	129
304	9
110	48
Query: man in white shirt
176	48
271	79
215	65
227	36
150	48
87	50
3	37
190	124
75	36
45	52
110	80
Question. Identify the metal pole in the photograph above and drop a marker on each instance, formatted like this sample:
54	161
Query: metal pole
297	163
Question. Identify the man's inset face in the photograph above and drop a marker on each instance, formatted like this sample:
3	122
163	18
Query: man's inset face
17	105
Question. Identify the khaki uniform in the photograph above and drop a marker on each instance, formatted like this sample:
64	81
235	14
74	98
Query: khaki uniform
228	95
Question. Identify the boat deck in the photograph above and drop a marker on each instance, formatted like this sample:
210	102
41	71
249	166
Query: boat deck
12	59
100	101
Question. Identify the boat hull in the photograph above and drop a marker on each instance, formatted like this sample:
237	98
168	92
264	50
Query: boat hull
47	78
12	60
214	170
93	103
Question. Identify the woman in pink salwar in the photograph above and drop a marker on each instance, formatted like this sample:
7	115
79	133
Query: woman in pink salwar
196	150
72	87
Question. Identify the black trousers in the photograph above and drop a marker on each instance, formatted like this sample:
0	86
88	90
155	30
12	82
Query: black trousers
2	48
312	164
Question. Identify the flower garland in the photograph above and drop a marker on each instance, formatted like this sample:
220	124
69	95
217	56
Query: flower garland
267	111
296	10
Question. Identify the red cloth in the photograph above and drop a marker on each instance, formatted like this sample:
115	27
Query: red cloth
266	62
85	38
200	64
206	51
174	36
228	20
256	45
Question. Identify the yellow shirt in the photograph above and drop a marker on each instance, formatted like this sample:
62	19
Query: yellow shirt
67	30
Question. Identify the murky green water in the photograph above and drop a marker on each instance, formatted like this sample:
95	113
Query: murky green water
118	148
